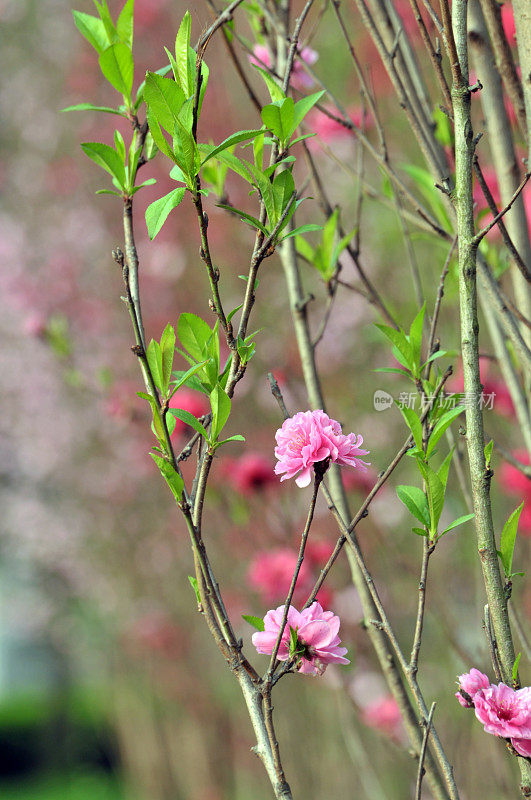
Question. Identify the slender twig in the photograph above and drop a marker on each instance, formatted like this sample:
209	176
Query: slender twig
434	57
437	307
428	548
224	16
483	232
421	770
304	538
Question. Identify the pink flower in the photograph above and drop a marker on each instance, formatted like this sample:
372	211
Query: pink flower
329	131
271	573
522	746
251	473
504	712
310	437
317	637
384	715
471	682
299	78
189	401
507	18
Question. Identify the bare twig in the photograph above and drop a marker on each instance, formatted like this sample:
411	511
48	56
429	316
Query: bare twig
421	770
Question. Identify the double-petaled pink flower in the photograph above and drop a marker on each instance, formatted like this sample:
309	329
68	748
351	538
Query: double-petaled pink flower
471	682
318	643
311	437
503	711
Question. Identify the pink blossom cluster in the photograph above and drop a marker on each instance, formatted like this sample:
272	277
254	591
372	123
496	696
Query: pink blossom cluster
311	437
503	711
515	482
299	77
271	571
318	643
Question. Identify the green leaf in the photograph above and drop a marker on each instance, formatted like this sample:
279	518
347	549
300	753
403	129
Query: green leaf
458	521
235	138
414	424
92	29
424	182
415	338
90	107
156	133
182	46
116	63
280	119
399	340
189	419
157	424
236	438
172	478
275	90
515	668
184	377
167	347
247	217
415	501
420	532
194	334
158	211
435	493
302	107
195	587
393	369
165	99
302	229
107	158
283	190
443	470
508	540
221	405
256	622
154	358
488	453
443	423
124	25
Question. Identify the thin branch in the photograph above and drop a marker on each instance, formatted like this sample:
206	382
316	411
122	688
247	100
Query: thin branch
437	308
483	232
428	548
421	770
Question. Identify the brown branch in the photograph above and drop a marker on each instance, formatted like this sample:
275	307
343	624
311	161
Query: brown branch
421	770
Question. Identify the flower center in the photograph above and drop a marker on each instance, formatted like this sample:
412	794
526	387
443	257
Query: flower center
506	711
297	443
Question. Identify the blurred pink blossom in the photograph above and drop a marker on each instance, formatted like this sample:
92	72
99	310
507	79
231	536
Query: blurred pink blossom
331	131
507	17
270	574
251	472
299	77
317	635
190	401
515	482
384	715
471	683
504	712
311	437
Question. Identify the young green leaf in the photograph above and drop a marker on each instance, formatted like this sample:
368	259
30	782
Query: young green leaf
158	211
182	46
221	405
415	338
275	90
488	453
508	540
156	423
414	424
246	217
302	107
230	141
256	622
415	501
124	24
164	99
154	358
172	478
189	419
107	158
194	334
457	522
90	107
515	668
302	229
116	63
399	340
443	423
195	587
167	347
92	29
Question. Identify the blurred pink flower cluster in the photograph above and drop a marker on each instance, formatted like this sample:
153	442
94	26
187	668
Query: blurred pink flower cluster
299	77
515	482
271	571
503	711
311	437
318	643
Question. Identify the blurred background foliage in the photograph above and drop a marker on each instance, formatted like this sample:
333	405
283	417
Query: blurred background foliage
110	686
